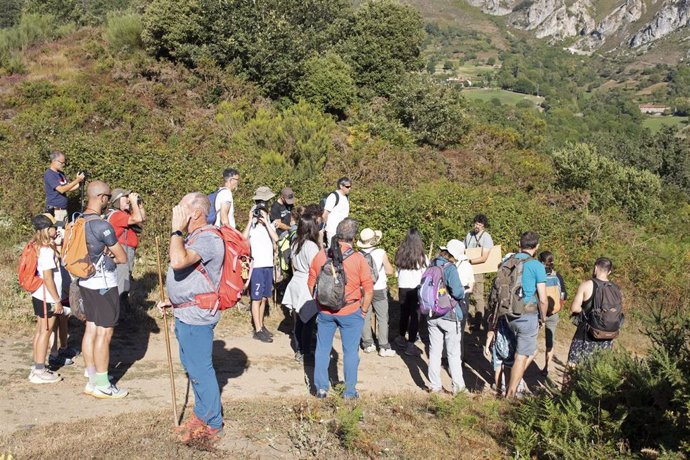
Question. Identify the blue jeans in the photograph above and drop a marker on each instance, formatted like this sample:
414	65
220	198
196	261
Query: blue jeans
196	350
350	332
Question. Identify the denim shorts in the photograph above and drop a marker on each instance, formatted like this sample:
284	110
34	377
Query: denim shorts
526	329
261	283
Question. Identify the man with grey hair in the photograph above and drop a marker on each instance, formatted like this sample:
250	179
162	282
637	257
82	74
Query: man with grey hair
56	186
359	291
196	263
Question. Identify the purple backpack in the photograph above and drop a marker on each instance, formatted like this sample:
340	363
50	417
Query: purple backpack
434	299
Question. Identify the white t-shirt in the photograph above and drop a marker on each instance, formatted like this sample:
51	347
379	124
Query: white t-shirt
225	196
377	255
410	279
47	260
261	245
336	213
465	272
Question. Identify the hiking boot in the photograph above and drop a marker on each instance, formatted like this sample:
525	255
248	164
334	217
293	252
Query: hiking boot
299	357
321	394
400	342
262	336
110	392
186	431
412	350
387	352
59	361
266	331
369	349
44	376
208	434
68	352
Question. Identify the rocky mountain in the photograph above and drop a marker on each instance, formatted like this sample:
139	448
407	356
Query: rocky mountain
588	25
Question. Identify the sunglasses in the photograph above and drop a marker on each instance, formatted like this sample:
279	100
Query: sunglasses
347	186
106	194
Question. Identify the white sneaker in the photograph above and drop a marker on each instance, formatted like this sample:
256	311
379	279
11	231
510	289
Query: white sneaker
387	352
43	376
89	388
111	392
369	349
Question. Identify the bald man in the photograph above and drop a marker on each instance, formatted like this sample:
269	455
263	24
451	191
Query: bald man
196	262
99	293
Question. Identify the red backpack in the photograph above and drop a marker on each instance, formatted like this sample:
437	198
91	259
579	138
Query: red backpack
28	268
235	272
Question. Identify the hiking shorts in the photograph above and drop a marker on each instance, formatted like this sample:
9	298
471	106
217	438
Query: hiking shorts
101	307
551	323
38	307
526	329
261	283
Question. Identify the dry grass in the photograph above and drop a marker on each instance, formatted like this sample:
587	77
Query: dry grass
393	426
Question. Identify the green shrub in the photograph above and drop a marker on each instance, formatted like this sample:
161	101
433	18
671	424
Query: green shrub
123	31
580	167
616	404
32	28
90	12
327	83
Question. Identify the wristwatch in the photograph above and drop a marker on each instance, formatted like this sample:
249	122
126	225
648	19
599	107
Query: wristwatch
176	233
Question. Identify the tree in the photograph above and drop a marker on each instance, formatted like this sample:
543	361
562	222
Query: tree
383	42
327	83
10	13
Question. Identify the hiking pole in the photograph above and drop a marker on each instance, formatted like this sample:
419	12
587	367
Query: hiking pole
167	334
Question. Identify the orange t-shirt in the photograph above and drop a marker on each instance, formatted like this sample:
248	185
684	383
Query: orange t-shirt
358	275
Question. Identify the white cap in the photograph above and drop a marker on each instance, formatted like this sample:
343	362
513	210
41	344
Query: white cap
456	248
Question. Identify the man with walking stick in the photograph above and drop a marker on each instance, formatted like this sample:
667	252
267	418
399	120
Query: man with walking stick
196	261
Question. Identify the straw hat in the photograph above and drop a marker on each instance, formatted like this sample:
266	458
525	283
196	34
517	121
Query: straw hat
369	238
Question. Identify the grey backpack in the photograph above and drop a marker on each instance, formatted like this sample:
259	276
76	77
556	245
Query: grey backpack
372	265
330	284
507	296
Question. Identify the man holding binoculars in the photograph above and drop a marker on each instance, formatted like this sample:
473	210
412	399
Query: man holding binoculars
126	215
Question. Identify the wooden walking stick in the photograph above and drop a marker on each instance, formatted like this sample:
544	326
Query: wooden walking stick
167	334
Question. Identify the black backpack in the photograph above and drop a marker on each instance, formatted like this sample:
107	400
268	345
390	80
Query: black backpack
329	291
605	318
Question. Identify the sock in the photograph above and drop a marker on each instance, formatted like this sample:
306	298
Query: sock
39	366
91	373
101	379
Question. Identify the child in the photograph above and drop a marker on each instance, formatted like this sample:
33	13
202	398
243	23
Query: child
47	299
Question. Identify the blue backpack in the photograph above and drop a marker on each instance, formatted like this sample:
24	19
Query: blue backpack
211	218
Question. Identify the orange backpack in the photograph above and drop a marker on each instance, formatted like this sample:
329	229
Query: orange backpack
28	268
235	272
75	253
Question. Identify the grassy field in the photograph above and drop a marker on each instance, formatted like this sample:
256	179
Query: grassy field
506	97
656	123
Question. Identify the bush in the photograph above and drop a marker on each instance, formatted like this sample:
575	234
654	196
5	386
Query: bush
327	83
92	12
32	28
123	31
616	404
580	167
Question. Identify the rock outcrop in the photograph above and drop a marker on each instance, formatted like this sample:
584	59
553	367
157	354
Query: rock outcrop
670	18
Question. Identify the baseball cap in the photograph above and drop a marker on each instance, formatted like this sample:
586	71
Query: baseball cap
288	195
456	248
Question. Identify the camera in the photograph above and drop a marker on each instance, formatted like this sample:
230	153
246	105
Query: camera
85	173
260	206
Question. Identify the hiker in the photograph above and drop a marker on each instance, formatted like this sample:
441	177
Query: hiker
99	293
195	321
554	281
478	237
597	307
533	305
47	299
380	266
223	204
56	186
283	262
336	207
348	316
298	297
445	329
410	262
281	209
466	274
262	239
126	216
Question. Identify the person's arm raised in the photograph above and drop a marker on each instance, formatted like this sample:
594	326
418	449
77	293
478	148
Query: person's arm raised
180	257
70	186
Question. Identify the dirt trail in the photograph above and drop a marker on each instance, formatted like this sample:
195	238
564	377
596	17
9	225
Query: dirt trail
246	368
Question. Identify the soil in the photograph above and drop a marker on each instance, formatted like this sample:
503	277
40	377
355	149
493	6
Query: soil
246	369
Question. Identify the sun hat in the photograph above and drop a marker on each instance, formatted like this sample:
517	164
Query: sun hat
288	195
43	221
455	248
117	194
369	238
263	193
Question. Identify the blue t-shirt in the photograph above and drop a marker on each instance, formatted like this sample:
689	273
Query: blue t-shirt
51	180
533	272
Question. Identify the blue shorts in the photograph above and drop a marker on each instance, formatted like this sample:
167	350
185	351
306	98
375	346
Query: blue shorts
261	283
526	329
